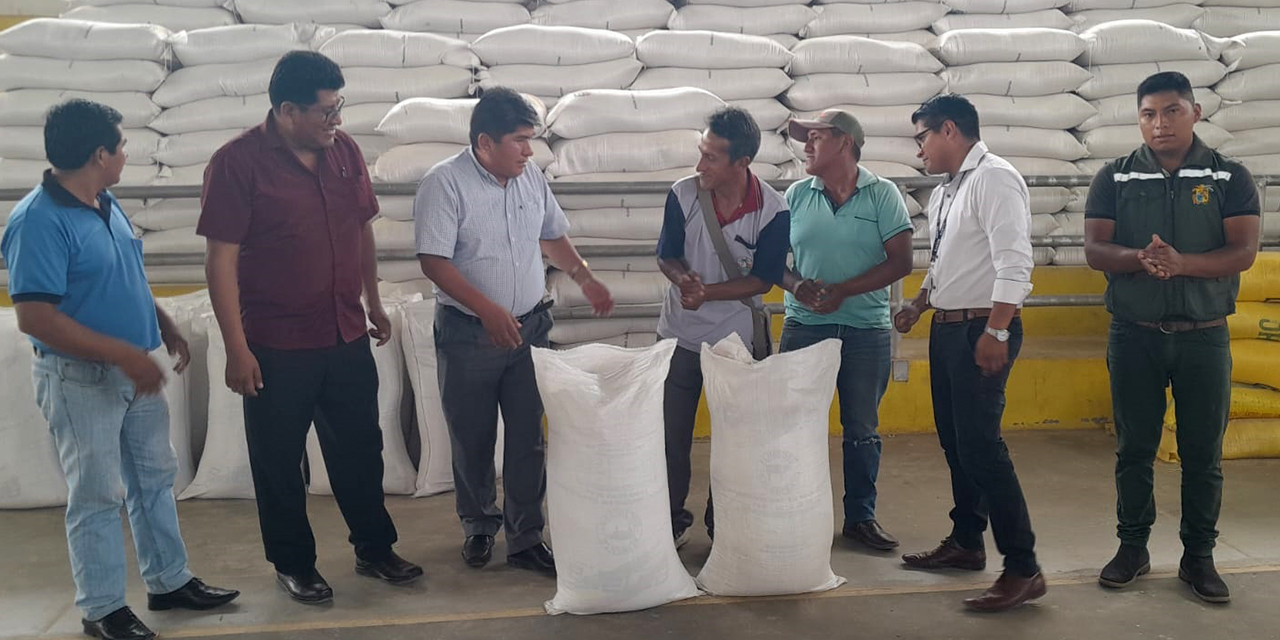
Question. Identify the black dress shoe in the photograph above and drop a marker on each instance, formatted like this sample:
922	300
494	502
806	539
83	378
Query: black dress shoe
1129	563
120	624
1203	577
477	551
307	588
393	569
194	595
871	534
536	558
948	555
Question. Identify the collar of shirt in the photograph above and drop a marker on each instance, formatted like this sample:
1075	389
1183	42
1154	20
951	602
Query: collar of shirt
752	200
1199	156
865	178
970	161
484	173
64	198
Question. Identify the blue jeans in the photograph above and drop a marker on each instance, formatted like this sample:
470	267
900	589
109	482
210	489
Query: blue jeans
114	448
865	356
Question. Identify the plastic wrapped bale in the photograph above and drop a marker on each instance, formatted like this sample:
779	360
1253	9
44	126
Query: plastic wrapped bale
606	479
770	474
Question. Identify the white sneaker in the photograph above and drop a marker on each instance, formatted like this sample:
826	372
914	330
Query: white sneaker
683	538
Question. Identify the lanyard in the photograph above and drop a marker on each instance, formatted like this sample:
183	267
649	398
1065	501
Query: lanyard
944	213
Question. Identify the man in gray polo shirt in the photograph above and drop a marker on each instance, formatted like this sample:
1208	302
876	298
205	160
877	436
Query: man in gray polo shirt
705	303
482	224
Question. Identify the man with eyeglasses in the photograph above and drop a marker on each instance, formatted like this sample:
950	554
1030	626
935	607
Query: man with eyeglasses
286	211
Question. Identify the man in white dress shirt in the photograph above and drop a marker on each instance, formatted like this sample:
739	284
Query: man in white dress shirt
979	275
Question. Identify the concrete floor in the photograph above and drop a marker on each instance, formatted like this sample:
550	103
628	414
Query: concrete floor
1066	475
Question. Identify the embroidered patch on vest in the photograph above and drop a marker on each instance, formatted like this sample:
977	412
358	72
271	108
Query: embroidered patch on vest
1200	194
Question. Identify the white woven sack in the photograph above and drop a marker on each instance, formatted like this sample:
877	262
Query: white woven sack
726	84
1123	79
1042	166
1075	6
223	471
1262	165
552	46
1252	50
363	119
561	81
746	4
1258	83
1123	109
855	54
623	224
1038	143
429	120
168	3
595	329
819	91
30	471
1113	142
1019	79
898	150
377	84
82	40
891	120
1058	111
1050	19
20	72
365	13
179	240
1002	6
186	149
435	459
1046	200
190	84
1181	16
921	37
606	14
409	163
760	21
1257	114
393	235
1253	142
1072	224
398	475
1227	22
773	149
769	114
972	46
171	18
607	487
627	288
214	114
838	19
770	474
710	50
626	152
28	107
1127	41
397	50
162	215
594	112
25	174
244	42
455	16
399	208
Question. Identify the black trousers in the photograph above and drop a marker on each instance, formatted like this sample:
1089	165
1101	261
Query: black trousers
337	388
967	409
681	393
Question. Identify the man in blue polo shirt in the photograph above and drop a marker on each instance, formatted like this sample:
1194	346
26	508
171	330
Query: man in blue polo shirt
80	293
707	302
851	239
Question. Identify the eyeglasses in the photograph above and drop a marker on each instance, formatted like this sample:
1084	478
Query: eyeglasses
332	114
921	137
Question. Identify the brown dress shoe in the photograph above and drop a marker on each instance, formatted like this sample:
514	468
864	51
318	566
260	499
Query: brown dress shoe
1008	592
948	555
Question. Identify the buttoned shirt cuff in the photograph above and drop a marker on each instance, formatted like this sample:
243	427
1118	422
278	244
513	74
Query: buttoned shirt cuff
1010	292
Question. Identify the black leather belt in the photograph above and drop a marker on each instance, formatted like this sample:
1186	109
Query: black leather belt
463	315
1180	326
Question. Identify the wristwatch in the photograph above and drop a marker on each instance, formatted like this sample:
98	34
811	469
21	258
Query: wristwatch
1001	335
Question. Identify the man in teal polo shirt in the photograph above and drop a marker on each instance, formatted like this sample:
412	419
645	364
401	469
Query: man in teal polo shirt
80	294
851	239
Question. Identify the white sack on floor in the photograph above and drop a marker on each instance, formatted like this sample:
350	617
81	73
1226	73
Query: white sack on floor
606	479
223	471
770	474
398	474
435	462
30	473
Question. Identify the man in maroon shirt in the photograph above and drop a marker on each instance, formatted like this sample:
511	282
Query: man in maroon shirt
286	211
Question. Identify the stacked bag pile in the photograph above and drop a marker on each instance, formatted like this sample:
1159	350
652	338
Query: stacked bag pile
1254	427
1230	18
457	19
340	14
1250	96
1003	14
632	18
895	21
1086	14
551	62
175	15
781	20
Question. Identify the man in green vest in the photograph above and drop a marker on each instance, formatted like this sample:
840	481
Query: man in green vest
1172	225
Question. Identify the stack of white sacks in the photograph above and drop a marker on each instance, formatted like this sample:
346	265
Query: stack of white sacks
457	19
48	61
552	61
897	21
1003	14
615	136
175	15
383	68
781	20
731	63
1086	14
1251	111
341	14
632	18
1230	18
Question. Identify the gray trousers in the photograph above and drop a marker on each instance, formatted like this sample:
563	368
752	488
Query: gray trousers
476	380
